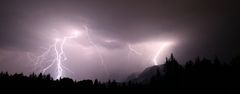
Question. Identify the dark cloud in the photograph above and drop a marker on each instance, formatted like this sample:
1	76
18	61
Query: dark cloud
201	27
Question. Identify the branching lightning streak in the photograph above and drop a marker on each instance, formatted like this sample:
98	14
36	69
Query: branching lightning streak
131	49
59	56
38	60
155	57
56	50
53	61
97	50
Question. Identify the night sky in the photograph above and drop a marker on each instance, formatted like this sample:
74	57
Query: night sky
126	34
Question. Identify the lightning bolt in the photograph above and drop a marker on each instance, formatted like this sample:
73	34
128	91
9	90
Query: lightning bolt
155	57
59	56
100	56
55	55
131	49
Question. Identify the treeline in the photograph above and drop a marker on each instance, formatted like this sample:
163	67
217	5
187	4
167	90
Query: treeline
198	76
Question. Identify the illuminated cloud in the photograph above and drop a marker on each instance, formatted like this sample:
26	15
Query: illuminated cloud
124	36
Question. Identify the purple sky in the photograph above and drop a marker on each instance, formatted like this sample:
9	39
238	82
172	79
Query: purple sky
193	27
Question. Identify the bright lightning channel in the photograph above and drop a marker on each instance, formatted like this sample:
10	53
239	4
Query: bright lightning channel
59	55
156	56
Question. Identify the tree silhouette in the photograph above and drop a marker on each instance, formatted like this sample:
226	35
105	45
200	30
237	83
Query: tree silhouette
198	76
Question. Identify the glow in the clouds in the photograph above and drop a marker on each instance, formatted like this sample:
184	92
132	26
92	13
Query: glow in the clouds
97	50
54	57
131	49
150	50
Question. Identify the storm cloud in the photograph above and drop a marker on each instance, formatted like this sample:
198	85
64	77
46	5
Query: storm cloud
198	27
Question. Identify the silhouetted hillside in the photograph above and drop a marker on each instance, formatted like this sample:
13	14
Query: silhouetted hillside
198	76
146	75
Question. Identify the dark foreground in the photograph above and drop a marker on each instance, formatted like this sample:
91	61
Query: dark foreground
201	76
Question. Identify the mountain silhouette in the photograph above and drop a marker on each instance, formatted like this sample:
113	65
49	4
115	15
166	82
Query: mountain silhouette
146	75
